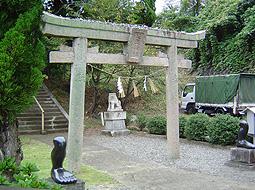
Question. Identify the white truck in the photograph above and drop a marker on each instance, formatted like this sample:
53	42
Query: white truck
219	94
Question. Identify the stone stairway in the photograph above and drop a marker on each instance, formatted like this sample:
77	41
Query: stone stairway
55	117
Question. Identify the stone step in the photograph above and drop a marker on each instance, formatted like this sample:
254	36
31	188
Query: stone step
44	99
39	121
27	114
54	120
42	95
37	117
47	109
37	131
46	102
37	126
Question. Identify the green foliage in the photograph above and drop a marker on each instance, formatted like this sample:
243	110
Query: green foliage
142	121
228	47
157	125
144	12
21	61
182	125
196	127
223	129
29	168
118	11
128	119
230	36
25	181
8	166
3	180
23	176
10	11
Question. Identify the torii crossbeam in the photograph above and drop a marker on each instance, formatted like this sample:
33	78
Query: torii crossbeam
135	38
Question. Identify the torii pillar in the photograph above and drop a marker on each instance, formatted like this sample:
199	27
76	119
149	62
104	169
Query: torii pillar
172	107
76	105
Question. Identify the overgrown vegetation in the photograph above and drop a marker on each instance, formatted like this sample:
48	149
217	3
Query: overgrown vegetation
229	24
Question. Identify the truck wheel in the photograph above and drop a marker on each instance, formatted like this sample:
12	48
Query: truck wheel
220	111
191	109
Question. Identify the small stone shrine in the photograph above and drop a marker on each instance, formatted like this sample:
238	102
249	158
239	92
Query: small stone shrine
114	118
245	151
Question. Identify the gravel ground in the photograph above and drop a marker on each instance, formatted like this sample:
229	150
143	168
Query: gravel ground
195	156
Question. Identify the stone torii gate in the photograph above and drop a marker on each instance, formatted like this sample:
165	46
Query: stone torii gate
134	38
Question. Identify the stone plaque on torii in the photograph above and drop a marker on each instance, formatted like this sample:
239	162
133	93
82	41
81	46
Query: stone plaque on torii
134	38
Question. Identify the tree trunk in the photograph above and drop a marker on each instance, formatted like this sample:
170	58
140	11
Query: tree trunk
10	145
96	81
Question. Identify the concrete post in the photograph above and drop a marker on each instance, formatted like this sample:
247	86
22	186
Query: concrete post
76	105
172	103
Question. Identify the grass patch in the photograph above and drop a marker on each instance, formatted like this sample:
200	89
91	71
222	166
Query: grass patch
94	177
39	153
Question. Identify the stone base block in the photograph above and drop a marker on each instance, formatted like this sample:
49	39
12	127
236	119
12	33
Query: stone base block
115	133
242	155
240	165
79	185
114	125
115	115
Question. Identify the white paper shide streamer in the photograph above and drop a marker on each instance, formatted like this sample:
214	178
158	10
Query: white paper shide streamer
120	88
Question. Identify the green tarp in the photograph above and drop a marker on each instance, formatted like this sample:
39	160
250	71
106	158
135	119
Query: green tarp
222	89
247	89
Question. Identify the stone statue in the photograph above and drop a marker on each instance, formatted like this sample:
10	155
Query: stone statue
113	103
243	130
58	173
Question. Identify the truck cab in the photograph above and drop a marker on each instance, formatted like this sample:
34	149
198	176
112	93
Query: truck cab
188	98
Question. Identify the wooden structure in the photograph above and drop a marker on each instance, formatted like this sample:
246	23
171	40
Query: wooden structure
134	38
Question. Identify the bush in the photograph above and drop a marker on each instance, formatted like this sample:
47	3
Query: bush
196	127
223	129
157	125
22	176
182	125
142	121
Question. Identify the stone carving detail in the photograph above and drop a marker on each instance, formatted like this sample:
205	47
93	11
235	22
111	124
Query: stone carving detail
136	45
58	173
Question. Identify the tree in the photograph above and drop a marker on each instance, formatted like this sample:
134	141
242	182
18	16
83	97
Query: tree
21	61
117	11
229	43
144	12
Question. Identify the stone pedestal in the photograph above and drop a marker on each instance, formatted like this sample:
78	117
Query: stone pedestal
114	123
79	185
242	155
114	118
